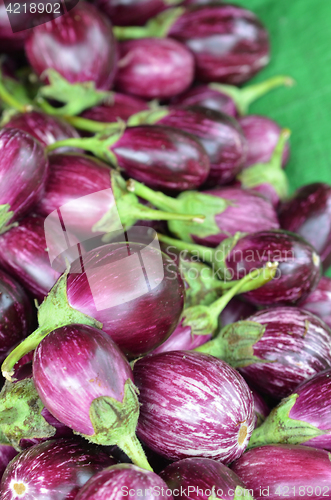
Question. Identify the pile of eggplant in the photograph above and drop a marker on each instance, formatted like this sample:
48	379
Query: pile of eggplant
164	317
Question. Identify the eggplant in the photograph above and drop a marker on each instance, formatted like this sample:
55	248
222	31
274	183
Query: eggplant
182	339
45	128
124	479
23	171
261	408
154	68
193	404
132	12
262	136
301	418
297	472
55	470
318	302
308	213
85	382
121	107
79	45
90	295
236	310
275	349
10	41
195	478
7	453
162	157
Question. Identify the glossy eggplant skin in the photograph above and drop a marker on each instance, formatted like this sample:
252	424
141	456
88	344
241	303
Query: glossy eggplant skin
318	302
275	471
309	214
182	339
185	407
261	408
119	481
162	157
23	171
16	314
132	12
201	475
218	37
141	312
236	310
121	108
74	365
154	68
46	129
54	470
219	134
79	45
7	453
204	96
296	345
299	268
9	41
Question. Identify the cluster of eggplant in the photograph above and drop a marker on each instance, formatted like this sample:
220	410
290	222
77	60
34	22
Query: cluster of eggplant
164	321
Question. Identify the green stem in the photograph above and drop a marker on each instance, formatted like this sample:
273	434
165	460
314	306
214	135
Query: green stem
129	32
157	198
204	253
90	125
244	97
146	213
6	97
132	447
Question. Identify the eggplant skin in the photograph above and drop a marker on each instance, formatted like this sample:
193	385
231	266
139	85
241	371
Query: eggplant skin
291	471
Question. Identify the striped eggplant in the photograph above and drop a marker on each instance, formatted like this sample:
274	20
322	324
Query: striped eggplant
131	12
261	408
7	453
120	107
186	411
236	310
318	302
119	481
295	472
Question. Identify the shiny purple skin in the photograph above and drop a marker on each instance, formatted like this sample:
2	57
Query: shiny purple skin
46	129
182	339
162	157
298	271
121	108
201	475
262	135
115	483
219	134
23	171
154	68
261	408
247	212
297	345
309	214
74	365
16	314
138	312
7	453
132	12
280	470
208	98
236	310
29	262
193	404
79	45
55	470
9	41
318	302
229	43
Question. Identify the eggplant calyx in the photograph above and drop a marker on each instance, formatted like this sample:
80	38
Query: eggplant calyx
115	423
203	286
5	216
148	117
54	312
280	428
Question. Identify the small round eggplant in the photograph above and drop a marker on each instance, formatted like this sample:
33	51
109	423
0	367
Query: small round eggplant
23	171
201	478
121	107
79	45
295	472
182	339
132	12
119	481
55	470
185	409
154	68
206	97
308	213
318	302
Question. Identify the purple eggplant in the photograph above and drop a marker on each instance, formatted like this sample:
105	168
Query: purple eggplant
236	310
182	339
154	68
308	213
85	382
318	302
121	107
79	45
185	410
55	470
162	157
7	453
261	408
132	12
23	171
295	472
16	314
45	128
262	135
9	41
124	479
201	478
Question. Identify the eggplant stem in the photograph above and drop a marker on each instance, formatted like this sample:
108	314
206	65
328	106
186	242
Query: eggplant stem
158	199
90	125
11	100
132	447
206	252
